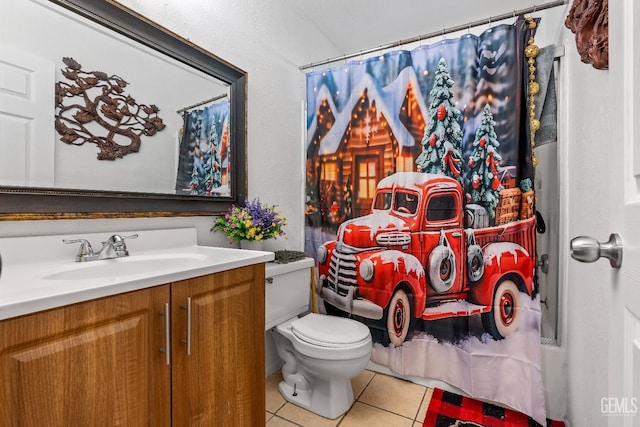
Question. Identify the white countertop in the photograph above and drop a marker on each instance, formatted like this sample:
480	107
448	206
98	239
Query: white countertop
40	273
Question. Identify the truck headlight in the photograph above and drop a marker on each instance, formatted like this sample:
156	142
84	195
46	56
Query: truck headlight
366	270
322	254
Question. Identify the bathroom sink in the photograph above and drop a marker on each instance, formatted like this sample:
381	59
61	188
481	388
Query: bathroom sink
40	272
129	266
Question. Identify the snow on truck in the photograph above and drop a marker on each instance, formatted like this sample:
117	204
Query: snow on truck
422	254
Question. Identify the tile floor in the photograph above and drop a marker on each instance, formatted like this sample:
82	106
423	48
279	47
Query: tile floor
381	401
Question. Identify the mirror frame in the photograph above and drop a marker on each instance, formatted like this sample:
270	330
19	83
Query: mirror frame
25	203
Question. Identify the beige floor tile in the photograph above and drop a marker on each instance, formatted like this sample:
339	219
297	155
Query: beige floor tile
279	422
394	395
422	413
362	414
306	418
417	424
360	382
268	416
274	399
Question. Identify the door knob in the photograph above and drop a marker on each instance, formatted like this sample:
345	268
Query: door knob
588	249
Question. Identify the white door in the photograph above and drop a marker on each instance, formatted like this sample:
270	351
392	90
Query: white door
603	316
624	315
27	107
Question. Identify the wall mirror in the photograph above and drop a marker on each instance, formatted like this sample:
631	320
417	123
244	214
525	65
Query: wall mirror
105	114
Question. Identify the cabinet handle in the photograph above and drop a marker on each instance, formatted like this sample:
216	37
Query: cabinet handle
188	340
167	337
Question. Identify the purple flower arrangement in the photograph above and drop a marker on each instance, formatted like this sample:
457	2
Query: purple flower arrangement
254	221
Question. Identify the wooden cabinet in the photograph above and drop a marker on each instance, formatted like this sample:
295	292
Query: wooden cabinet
103	362
94	363
221	382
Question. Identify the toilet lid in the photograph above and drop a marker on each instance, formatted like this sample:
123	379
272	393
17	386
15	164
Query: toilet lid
329	331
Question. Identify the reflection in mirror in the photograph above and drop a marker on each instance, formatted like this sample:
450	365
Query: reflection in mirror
203	162
142	121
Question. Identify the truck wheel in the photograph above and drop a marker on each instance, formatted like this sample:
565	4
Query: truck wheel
503	318
398	317
442	268
475	263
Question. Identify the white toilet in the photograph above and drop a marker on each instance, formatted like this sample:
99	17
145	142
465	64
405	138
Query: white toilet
321	353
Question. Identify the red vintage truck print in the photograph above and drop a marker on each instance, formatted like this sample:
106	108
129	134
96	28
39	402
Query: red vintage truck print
422	254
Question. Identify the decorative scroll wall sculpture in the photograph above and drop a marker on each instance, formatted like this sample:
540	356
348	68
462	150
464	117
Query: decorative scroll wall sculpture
589	20
95	97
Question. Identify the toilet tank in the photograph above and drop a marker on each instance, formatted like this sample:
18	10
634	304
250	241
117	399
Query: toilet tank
287	291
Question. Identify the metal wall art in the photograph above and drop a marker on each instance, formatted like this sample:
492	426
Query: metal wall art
95	98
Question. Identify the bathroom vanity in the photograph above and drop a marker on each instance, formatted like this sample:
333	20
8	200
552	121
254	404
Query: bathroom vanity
180	345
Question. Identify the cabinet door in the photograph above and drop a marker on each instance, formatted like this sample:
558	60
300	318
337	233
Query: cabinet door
221	381
96	363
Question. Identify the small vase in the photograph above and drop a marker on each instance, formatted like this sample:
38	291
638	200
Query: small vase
254	245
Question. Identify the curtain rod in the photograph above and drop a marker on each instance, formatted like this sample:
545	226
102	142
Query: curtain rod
201	103
442	32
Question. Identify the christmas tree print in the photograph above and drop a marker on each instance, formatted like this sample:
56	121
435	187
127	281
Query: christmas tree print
212	169
442	141
483	165
207	172
197	183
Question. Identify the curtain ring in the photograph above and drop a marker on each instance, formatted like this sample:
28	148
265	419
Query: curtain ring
443	37
490	27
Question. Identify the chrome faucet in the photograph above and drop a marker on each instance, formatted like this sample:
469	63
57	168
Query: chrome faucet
114	247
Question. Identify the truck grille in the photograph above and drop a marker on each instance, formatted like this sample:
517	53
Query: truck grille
342	272
393	239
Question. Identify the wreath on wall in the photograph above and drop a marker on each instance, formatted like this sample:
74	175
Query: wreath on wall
589	21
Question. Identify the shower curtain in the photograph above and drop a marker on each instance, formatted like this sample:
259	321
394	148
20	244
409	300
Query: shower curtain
441	128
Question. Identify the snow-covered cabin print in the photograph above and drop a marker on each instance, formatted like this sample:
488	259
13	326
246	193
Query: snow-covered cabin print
350	151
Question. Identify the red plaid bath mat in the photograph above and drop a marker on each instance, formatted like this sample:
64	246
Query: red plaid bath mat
449	409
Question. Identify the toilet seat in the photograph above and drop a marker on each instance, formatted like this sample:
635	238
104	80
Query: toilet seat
329	331
330	337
